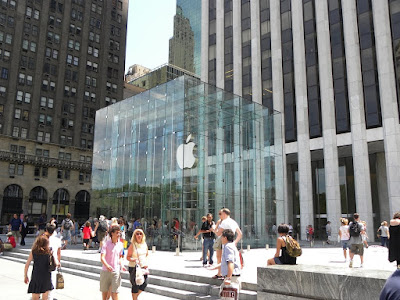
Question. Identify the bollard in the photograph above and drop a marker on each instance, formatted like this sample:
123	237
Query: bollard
248	247
153	249
266	247
177	251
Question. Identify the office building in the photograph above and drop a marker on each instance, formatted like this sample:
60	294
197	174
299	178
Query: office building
135	71
331	67
60	62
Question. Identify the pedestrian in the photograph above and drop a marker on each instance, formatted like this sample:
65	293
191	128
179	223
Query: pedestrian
102	230
391	290
282	258
74	232
274	230
394	239
137	254
42	224
290	230
111	258
356	243
344	236
328	229
66	227
364	235
384	229
24	229
136	224
121	223
208	239
15	227
226	223
87	235
230	263
10	242
203	219
55	247
40	282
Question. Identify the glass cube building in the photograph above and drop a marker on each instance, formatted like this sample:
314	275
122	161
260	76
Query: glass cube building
174	153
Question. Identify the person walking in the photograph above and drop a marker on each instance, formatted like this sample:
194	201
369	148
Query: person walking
15	227
24	229
87	235
208	239
203	219
356	243
66	227
41	225
344	236
111	258
102	230
364	235
40	282
137	254
394	239
282	258
384	230
226	223
328	229
55	247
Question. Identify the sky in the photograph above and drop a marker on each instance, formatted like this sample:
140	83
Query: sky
150	26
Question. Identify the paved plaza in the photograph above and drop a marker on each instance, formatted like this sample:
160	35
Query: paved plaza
186	263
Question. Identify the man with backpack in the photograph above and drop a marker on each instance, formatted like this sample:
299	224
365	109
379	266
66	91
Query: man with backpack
66	227
356	243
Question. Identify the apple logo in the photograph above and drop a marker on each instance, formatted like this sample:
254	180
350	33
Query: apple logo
184	154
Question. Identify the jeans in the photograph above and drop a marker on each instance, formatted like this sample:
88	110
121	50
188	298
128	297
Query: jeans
384	241
208	246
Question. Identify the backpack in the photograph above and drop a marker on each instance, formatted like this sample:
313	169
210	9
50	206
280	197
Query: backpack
102	226
354	229
67	224
292	247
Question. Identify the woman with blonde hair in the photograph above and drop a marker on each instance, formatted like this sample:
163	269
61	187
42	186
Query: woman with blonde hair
137	254
384	229
40	282
344	235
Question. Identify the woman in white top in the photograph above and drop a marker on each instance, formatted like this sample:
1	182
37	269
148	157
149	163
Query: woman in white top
384	229
137	254
344	235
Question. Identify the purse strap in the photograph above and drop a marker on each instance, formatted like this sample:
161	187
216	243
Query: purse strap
137	254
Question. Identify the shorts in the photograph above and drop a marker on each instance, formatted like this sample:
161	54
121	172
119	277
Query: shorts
217	244
16	234
277	261
86	241
357	249
345	244
100	235
132	276
108	279
66	235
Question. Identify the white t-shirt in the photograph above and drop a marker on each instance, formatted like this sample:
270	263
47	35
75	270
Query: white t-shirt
229	223
344	229
54	243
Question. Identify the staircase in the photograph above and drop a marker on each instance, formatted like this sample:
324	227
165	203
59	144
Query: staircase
165	283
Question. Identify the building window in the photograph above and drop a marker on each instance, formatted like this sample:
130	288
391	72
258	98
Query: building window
11	169
17	114
15	131
4	73
24	133
20	170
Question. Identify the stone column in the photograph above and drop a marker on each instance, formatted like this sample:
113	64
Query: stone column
303	136
388	98
382	187
362	180
331	163
279	123
204	41
220	70
255	51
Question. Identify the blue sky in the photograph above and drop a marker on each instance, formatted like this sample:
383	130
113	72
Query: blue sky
150	26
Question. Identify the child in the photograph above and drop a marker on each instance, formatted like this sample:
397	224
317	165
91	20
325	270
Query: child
87	235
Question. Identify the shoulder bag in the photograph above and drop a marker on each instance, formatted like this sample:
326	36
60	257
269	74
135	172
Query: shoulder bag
52	262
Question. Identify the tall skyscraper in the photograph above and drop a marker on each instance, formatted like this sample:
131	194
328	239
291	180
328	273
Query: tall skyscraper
185	45
60	62
328	66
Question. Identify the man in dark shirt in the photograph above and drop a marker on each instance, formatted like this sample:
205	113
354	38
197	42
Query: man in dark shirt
42	224
208	236
15	227
391	289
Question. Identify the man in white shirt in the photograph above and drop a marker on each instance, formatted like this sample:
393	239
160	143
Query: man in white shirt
55	245
226	223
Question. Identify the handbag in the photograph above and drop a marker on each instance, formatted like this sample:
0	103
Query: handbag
52	262
139	278
59	280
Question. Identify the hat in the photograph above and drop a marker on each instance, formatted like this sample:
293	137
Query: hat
9	233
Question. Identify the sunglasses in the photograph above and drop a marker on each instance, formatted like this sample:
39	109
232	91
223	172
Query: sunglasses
139	233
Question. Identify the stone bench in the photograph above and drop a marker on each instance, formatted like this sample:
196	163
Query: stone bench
301	282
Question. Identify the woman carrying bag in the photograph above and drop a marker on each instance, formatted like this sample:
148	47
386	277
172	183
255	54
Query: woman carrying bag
137	257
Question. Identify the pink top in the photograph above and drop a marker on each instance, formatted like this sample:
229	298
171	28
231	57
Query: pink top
112	254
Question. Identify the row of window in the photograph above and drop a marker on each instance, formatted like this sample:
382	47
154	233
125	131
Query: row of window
6	20
23	97
69	91
20	114
8	3
27	62
18	169
6	37
29	45
91	66
32	13
31	29
25	79
73	60
5	55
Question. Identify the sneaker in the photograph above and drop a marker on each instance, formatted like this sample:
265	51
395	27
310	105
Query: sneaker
351	264
361	265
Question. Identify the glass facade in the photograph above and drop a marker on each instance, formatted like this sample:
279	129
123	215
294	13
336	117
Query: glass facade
181	150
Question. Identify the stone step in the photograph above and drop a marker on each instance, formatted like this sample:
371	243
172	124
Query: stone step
161	282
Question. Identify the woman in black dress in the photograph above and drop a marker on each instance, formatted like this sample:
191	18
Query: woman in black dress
394	239
41	278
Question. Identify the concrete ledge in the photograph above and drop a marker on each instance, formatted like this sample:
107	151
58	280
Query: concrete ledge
319	282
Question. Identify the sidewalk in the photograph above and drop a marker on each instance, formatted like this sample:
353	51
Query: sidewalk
375	258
